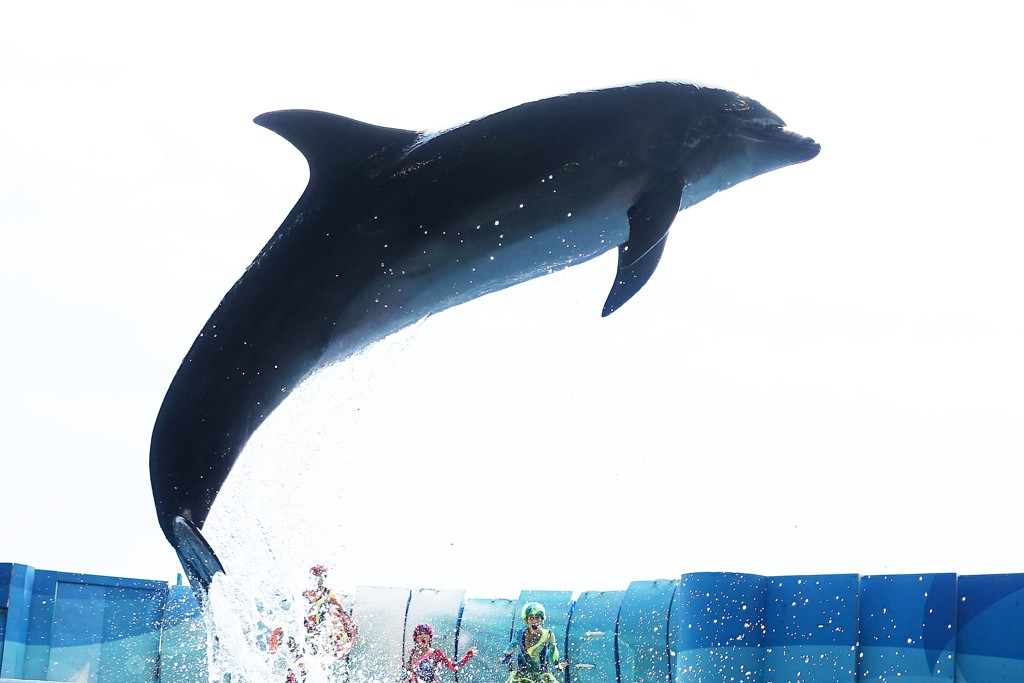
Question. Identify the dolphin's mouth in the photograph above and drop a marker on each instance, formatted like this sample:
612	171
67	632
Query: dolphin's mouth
775	132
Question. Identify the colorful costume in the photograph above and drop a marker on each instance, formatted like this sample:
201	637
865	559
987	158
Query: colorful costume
330	631
424	669
533	664
329	626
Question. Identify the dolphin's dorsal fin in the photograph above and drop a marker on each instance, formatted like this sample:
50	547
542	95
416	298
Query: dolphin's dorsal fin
649	221
332	143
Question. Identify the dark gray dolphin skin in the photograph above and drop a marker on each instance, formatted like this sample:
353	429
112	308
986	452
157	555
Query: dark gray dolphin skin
396	225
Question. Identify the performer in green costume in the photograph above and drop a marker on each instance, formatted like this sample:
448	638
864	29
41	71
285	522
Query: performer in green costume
533	652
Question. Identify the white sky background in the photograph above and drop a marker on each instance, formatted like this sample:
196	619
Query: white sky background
824	375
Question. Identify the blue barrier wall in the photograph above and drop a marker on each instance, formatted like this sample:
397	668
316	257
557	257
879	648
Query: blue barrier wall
57	626
703	627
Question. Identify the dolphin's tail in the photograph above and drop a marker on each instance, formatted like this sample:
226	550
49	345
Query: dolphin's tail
196	555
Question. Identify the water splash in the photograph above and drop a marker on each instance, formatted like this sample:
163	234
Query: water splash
257	630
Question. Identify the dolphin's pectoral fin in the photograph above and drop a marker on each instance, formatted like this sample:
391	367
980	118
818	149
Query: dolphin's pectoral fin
196	555
649	221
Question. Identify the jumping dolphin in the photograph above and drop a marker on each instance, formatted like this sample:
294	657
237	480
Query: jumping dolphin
396	225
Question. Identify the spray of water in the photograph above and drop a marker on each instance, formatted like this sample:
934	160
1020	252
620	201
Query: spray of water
282	511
